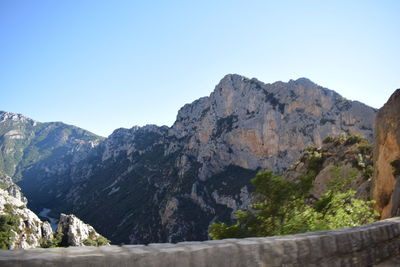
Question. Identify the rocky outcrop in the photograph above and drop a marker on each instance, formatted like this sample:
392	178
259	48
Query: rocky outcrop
386	188
161	184
20	227
77	233
14	190
167	184
344	161
247	123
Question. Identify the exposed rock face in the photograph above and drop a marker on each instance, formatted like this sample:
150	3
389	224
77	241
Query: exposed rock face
24	229
27	144
33	153
346	158
160	184
253	125
14	190
386	189
77	233
28	231
167	184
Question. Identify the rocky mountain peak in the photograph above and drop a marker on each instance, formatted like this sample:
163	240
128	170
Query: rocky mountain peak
13	117
166	184
305	82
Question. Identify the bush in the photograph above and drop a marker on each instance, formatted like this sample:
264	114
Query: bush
5	240
8	224
89	242
280	209
54	242
315	161
365	148
96	241
353	139
368	172
328	139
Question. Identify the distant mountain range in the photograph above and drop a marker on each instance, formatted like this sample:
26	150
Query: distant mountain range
167	184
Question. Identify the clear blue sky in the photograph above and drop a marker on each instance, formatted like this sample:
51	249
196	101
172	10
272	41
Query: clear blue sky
102	65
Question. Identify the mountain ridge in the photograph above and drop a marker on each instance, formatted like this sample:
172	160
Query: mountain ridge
167	184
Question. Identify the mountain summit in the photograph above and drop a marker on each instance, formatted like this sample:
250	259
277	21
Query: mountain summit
167	184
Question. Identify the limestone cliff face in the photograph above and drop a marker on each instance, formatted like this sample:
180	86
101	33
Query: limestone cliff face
386	189
161	184
77	233
20	227
167	184
344	158
254	125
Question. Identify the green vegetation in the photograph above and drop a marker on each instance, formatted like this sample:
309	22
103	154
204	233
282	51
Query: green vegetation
8	225
313	159
368	172
353	139
328	139
54	242
339	183
8	208
281	208
344	139
96	241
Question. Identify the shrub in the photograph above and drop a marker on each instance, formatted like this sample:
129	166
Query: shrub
8	224
328	139
353	139
280	208
396	166
368	172
315	161
89	242
365	148
96	241
56	241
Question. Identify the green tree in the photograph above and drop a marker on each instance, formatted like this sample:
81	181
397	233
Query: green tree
280	208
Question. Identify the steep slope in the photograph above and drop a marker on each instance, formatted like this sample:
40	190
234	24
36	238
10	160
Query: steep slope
386	189
22	228
344	161
25	144
34	153
159	184
19	226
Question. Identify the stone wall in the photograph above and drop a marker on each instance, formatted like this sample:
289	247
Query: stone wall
358	246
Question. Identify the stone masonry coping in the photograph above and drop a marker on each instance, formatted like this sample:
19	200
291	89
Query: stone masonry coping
365	245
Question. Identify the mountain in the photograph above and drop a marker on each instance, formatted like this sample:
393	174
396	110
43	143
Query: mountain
43	150
25	143
167	184
386	188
